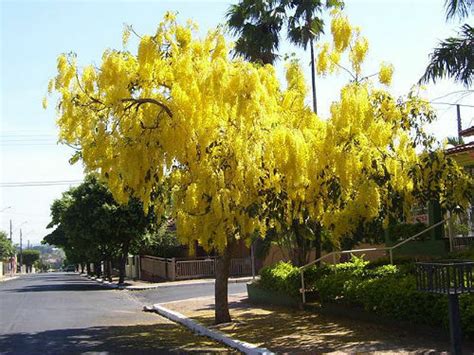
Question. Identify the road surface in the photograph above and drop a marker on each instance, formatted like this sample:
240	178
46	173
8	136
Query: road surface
178	293
60	313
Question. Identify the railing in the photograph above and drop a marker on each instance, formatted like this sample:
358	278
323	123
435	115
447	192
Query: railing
240	267
191	269
333	255
155	269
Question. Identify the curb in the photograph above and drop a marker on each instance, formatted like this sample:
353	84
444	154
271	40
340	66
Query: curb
178	284
8	278
164	284
241	346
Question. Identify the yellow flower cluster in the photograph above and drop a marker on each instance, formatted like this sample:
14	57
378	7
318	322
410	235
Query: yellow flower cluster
238	153
386	73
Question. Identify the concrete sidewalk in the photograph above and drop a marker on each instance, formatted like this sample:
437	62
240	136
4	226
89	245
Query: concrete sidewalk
139	285
284	330
8	278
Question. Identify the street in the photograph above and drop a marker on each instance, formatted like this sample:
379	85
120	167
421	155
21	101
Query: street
67	313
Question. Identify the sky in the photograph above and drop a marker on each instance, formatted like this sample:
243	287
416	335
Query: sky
34	33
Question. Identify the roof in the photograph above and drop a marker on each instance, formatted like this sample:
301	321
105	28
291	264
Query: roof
463	154
467	132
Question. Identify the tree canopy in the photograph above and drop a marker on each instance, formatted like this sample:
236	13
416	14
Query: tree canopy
6	247
454	56
91	226
241	153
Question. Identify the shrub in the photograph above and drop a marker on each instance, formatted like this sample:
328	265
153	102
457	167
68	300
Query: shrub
281	277
285	278
386	290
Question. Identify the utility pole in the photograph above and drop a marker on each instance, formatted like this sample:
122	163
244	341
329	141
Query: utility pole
458	110
21	250
11	257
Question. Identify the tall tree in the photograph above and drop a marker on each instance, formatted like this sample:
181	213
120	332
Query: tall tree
240	153
454	57
305	26
92	224
257	24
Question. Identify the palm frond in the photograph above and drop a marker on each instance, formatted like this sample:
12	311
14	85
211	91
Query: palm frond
458	8
454	58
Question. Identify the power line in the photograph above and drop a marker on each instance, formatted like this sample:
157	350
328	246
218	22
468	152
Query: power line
450	104
40	183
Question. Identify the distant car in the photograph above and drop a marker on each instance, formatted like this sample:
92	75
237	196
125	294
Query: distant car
70	268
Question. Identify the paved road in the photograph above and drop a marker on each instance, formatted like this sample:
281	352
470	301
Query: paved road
61	313
177	293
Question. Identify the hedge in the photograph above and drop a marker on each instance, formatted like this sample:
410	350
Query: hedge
387	290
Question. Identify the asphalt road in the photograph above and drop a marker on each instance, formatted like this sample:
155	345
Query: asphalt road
59	313
182	292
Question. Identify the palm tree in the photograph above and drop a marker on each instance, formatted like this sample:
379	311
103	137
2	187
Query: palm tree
305	27
257	23
454	57
458	8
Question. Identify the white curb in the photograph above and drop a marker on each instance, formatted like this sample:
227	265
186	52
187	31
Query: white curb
5	279
242	346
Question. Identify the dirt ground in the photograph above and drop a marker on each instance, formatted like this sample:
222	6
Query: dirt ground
286	330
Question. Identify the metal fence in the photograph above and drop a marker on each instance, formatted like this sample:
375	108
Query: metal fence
446	277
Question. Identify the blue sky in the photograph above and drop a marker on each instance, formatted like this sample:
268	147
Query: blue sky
33	33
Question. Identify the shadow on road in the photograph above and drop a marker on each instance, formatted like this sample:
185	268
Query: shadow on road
66	286
137	339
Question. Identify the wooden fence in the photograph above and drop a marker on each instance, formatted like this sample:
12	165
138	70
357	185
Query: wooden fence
157	269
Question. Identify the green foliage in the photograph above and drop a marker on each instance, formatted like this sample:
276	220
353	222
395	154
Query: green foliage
91	226
386	290
461	228
402	231
285	278
454	58
390	292
281	277
30	256
6	247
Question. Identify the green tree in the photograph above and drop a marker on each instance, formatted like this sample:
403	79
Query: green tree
454	56
6	247
29	257
91	224
305	27
257	24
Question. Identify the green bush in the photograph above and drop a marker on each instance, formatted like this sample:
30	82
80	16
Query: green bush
285	278
281	277
386	290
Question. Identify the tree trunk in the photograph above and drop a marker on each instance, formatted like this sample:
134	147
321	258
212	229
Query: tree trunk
82	268
88	268
313	78
97	269
107	270
318	242
123	262
222	314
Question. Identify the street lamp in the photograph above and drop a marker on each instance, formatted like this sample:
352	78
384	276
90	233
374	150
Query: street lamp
6	208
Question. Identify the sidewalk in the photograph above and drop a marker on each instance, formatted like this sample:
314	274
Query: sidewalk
139	285
8	278
284	330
